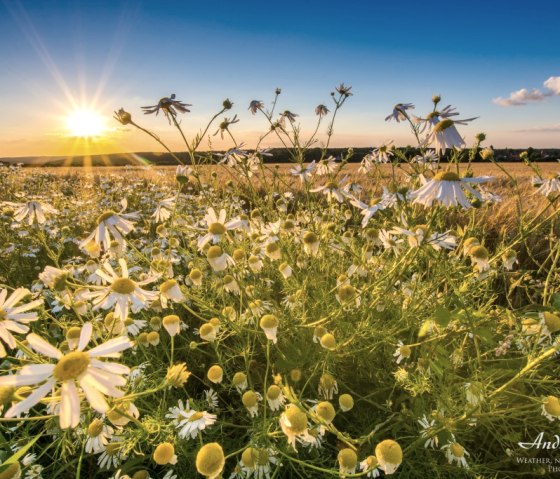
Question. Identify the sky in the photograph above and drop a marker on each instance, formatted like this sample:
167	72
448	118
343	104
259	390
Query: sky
499	61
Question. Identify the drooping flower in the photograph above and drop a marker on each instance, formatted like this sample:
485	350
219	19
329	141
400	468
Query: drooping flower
169	105
34	211
399	112
111	226
447	188
210	460
389	454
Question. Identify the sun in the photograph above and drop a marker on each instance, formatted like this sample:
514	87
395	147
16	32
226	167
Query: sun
85	124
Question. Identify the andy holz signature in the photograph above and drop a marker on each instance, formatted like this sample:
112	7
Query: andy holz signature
540	443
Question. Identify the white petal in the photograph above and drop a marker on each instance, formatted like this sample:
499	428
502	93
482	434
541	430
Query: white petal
85	336
41	346
30	400
69	405
109	348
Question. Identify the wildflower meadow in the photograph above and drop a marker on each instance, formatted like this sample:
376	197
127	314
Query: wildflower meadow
232	318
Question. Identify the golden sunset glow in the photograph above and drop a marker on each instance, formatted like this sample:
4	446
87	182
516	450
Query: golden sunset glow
85	124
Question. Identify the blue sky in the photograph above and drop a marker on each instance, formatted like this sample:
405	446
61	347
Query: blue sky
59	56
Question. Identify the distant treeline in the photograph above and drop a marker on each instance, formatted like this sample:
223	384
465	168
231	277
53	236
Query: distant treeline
278	155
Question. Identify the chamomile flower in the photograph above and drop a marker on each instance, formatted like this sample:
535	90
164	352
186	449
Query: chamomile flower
328	386
368	211
14	317
269	324
456	453
217	227
250	400
163	210
399	112
347	461
448	188
190	422
217	259
427	432
551	408
402	352
121	292
98	436
31	211
389	455
257	462
275	397
293	422
370	464
303	172
210	460
111	226
73	371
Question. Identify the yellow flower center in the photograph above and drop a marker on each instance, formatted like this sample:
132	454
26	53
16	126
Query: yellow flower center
389	452
325	410
113	448
297	419
273	392
405	351
239	379
269	321
105	216
164	453
214	252
447	176
443	125
310	238
123	286
457	450
479	252
552	406
71	366
210	460
196	416
346	292
249	399
167	285
3	315
551	320
346	401
216	229
347	458
95	428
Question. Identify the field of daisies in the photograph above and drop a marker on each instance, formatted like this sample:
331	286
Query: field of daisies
236	321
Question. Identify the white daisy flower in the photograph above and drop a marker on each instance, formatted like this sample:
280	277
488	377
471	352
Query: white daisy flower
303	172
121	292
456	453
217	227
428	427
191	421
14	318
399	112
163	210
74	371
447	188
368	211
32	210
111	226
98	436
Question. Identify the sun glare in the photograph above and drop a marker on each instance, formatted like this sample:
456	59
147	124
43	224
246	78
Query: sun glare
85	124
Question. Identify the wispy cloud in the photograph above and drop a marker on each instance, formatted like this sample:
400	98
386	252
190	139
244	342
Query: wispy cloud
541	129
525	96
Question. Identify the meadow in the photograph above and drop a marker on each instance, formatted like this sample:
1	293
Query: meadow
397	317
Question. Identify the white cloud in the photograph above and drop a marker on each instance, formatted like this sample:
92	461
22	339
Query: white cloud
524	96
541	129
521	97
553	84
